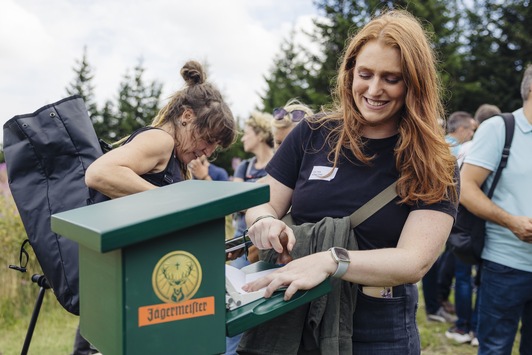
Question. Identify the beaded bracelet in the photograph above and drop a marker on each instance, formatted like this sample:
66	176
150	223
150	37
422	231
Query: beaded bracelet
262	217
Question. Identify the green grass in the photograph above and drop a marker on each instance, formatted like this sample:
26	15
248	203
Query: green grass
433	340
432	334
55	329
54	332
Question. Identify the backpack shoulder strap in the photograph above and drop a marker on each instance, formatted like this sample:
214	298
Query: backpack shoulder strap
250	162
509	124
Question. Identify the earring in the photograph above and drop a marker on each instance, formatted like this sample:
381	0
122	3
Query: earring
183	124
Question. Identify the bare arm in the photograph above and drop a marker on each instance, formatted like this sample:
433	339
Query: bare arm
473	198
265	233
117	173
422	239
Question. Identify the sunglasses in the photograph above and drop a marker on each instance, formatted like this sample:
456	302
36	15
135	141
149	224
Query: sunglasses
295	115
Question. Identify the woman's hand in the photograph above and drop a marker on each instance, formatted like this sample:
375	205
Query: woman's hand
266	233
300	274
199	168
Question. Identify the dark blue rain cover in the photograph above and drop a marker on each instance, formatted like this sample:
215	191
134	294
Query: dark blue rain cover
47	153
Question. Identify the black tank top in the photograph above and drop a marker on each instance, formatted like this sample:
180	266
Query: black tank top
170	175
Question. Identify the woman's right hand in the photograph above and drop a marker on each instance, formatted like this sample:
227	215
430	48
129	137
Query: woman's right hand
267	233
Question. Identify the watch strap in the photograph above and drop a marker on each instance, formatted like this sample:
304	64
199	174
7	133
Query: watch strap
342	265
340	270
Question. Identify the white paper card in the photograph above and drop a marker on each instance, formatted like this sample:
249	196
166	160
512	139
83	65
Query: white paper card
323	173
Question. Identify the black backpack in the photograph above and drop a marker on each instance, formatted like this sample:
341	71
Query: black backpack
467	236
47	153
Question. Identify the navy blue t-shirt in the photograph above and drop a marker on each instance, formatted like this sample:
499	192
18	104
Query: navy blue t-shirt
303	158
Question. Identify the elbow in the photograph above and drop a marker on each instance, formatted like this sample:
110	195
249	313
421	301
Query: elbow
420	271
416	277
414	272
93	178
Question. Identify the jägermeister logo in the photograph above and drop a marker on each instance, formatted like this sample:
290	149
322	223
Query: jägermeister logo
176	277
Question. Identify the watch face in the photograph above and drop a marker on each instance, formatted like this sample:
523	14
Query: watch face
342	254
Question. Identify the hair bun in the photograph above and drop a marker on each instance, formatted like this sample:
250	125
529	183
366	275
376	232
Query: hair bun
192	72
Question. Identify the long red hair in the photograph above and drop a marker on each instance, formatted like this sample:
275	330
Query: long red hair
423	158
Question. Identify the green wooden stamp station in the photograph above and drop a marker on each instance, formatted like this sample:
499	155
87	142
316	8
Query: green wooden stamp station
152	275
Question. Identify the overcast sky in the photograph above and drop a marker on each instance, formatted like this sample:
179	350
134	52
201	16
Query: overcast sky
40	42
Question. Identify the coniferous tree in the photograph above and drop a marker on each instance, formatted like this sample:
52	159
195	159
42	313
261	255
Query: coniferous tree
342	19
499	49
107	119
82	85
138	103
289	77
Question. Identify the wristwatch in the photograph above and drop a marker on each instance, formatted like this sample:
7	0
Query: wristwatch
341	256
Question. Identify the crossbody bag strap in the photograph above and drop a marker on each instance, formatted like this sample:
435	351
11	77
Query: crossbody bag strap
509	124
373	205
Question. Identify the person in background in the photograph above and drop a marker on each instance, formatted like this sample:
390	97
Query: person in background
202	169
482	113
460	128
194	123
438	281
384	129
286	118
505	294
436	285
465	327
258	140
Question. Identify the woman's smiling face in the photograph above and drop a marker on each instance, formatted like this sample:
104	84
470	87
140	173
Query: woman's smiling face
378	88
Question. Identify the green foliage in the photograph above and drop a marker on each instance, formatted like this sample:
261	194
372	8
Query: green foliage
225	158
291	77
54	332
481	55
16	286
481	45
137	105
82	85
498	52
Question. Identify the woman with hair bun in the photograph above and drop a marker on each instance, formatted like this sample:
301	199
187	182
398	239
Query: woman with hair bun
194	122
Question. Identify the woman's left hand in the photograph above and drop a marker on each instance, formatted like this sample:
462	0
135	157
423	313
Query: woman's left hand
300	274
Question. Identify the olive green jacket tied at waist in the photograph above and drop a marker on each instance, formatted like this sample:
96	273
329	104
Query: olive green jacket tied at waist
325	326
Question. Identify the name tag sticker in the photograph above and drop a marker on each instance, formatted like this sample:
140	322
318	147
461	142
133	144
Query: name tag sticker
323	173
